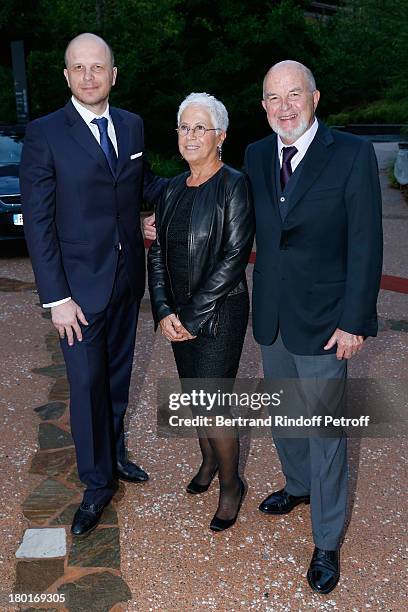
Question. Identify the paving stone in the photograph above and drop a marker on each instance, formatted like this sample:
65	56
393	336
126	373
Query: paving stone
53	463
398	325
55	370
60	390
95	592
394	324
14	285
109	516
51	411
51	436
43	543
74	478
46	499
37	576
100	549
52	342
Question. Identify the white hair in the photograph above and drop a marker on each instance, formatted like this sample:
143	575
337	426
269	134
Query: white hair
217	110
308	74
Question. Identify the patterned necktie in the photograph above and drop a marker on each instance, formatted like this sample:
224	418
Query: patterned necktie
106	143
286	170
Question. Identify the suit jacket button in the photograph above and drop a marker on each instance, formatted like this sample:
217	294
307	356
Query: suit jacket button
282	199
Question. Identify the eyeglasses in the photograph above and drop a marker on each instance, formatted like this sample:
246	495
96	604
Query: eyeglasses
198	130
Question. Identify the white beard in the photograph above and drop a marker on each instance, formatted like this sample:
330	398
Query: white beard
294	134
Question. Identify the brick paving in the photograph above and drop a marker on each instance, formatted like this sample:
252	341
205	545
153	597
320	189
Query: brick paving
153	549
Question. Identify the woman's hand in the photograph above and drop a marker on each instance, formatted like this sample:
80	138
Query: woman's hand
149	227
174	330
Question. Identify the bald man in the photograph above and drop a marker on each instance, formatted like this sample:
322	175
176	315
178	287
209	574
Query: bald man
83	175
316	281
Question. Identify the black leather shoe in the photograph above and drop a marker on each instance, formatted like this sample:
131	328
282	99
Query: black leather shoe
218	524
324	571
194	488
86	519
281	502
131	472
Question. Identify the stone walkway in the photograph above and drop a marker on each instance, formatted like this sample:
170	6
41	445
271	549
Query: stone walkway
153	549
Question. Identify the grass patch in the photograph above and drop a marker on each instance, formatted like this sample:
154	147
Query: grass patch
381	111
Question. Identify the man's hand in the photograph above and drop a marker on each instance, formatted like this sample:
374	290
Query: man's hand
174	330
149	227
347	344
65	318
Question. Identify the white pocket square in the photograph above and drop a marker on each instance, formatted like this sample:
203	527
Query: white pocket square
136	155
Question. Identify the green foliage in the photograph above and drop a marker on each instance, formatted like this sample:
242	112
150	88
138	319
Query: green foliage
166	49
364	55
381	111
166	166
50	91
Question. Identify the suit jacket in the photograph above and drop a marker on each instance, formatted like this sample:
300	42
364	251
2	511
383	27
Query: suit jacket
76	211
320	268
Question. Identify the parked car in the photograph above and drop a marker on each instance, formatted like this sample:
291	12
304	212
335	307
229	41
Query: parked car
11	218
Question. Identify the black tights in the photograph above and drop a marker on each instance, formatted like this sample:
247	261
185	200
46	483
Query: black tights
209	358
221	452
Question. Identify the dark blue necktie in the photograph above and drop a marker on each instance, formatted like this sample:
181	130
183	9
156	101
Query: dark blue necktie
286	170
106	143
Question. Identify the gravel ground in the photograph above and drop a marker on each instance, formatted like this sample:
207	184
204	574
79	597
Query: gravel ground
170	559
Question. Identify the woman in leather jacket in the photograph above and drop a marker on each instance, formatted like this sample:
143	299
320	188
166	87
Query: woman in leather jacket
205	230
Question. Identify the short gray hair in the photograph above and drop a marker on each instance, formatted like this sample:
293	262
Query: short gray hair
217	110
306	71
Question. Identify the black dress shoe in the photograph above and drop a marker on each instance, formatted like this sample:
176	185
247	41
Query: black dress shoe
324	571
219	524
131	472
86	519
194	488
282	502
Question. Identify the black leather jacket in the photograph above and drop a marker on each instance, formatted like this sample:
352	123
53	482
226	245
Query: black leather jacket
220	241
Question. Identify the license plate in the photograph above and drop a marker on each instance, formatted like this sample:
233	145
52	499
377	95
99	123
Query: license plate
18	219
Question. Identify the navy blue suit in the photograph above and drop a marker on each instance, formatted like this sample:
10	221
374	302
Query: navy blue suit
318	268
76	214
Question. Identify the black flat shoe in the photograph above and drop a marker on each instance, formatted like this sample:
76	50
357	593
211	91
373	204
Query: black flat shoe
324	571
86	518
282	502
130	472
194	488
218	524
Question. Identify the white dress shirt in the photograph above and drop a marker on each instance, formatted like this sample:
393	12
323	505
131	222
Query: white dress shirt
88	116
302	144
